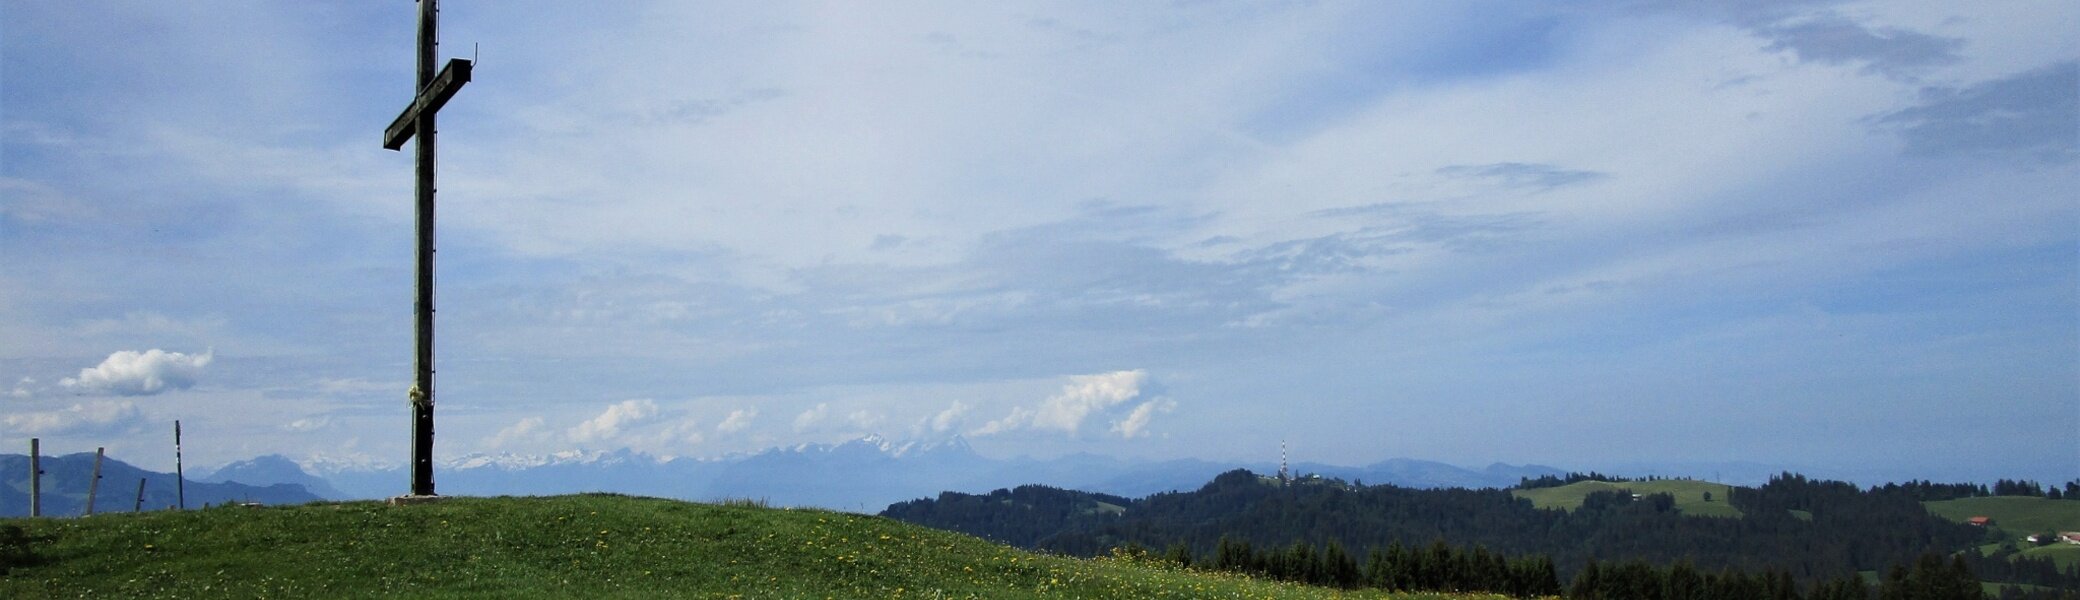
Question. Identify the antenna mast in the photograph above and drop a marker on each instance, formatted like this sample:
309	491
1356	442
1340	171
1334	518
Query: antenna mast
1284	476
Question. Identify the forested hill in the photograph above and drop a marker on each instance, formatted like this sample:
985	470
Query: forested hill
1814	530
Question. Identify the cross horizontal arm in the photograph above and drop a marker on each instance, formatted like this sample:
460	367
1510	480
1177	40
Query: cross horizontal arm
430	100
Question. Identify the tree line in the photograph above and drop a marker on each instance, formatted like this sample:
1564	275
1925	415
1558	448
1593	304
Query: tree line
1446	569
1927	491
1811	531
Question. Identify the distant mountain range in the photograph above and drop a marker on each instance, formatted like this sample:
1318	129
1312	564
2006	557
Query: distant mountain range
274	469
66	480
861	475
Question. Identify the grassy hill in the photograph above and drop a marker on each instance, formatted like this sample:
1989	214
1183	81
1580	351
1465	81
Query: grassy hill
2019	515
570	546
2064	555
1689	495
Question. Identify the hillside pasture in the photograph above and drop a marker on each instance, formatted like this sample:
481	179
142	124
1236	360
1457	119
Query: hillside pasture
2019	516
1689	495
585	546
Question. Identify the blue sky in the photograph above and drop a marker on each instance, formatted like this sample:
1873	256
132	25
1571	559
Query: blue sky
1832	235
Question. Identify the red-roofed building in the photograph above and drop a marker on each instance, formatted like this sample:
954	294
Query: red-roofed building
1979	521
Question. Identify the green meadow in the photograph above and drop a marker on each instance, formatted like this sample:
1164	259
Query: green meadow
589	546
1689	494
2018	515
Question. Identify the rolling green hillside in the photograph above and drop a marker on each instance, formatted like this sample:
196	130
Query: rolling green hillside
1689	495
566	547
2017	515
2064	555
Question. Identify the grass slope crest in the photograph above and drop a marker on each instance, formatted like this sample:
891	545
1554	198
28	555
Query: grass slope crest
593	545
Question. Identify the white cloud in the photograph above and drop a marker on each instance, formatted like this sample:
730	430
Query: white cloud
737	420
21	388
1136	423
665	438
352	386
865	419
1083	397
1087	394
1018	418
131	373
101	416
951	417
526	429
809	418
308	424
610	423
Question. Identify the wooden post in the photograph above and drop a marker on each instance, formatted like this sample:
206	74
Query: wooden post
180	482
422	408
35	477
433	91
94	485
140	496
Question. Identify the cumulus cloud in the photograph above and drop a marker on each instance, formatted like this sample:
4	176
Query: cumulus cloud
132	373
951	417
666	436
810	418
865	419
1020	417
22	388
84	418
1083	398
737	420
611	422
526	429
1136	423
1085	395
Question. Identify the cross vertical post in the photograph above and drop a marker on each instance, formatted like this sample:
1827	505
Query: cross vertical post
434	90
422	407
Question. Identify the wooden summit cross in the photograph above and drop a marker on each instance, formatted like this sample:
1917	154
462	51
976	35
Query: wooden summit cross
434	91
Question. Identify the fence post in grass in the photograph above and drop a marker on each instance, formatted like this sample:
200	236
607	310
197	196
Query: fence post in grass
35	477
94	485
180	481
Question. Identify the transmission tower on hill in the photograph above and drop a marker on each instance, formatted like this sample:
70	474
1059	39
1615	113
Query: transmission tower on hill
1284	476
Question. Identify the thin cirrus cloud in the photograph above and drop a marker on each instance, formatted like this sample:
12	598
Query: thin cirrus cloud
95	417
1437	203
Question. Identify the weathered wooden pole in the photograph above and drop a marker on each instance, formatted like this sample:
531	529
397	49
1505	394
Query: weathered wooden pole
422	405
180	481
94	485
35	477
433	91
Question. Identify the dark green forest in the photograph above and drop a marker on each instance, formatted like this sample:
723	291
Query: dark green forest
1798	536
